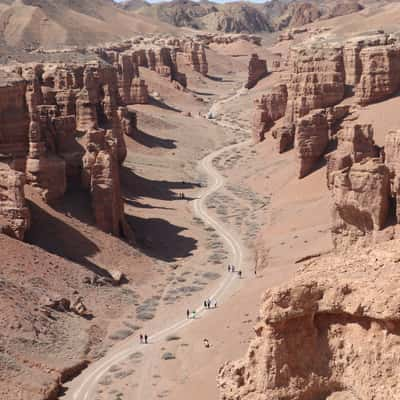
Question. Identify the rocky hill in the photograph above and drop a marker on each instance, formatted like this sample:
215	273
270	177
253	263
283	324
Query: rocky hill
53	23
246	17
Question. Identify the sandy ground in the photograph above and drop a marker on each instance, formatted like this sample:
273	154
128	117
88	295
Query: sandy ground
276	218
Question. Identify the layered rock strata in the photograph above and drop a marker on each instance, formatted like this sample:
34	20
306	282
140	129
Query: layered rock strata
331	333
14	213
269	109
380	76
311	140
257	70
361	196
71	133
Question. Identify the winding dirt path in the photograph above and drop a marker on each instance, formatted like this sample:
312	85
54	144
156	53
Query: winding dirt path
84	386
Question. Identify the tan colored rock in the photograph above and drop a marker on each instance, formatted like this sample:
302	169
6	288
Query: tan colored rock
355	143
257	70
361	201
195	57
139	92
311	140
14	115
392	160
14	213
316	79
128	120
380	76
269	108
330	333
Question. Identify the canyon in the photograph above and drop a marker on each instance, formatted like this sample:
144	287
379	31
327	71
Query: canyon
134	169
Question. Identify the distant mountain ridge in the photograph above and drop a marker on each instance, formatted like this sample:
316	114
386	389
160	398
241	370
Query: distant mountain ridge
242	16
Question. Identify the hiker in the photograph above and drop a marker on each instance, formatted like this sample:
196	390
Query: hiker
205	304
206	343
194	314
229	267
187	313
209	303
240	273
141	338
183	196
215	304
233	268
145	338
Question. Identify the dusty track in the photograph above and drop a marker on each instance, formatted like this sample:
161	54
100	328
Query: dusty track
84	386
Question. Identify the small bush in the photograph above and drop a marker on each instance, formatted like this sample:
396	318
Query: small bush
168	356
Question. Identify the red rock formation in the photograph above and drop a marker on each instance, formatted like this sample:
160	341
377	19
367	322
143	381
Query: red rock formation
392	160
351	54
361	200
380	76
257	70
355	143
139	92
330	333
269	108
311	140
14	116
195	57
128	121
100	175
44	170
14	214
316	79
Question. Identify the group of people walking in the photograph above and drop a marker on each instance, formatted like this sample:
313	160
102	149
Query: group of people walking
231	268
182	196
143	338
207	304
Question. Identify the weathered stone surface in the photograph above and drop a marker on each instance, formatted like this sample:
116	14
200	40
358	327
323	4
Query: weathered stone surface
330	333
128	120
257	70
380	76
311	140
392	160
361	200
316	79
355	143
14	214
14	116
195	57
269	108
351	54
139	92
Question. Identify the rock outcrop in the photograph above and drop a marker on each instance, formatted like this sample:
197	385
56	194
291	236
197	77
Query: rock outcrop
257	70
380	76
311	140
316	79
331	333
392	160
14	213
361	197
195	57
14	116
355	143
269	108
66	125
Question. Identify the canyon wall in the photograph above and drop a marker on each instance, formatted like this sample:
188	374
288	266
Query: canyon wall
331	333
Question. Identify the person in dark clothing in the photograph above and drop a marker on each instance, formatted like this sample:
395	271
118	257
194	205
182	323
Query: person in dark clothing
187	313
205	303
141	338
145	338
209	303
